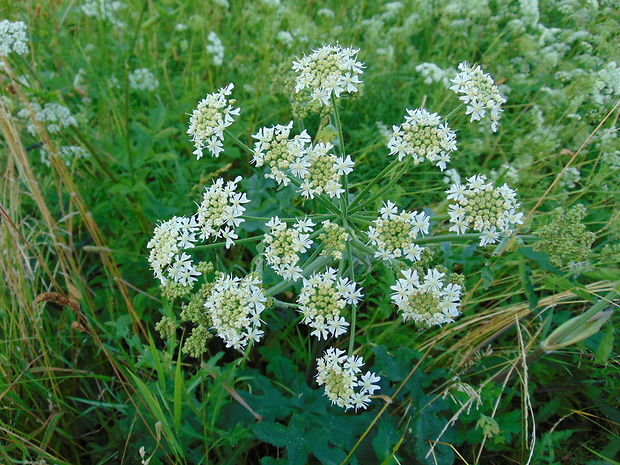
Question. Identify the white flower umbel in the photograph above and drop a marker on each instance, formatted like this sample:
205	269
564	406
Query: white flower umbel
167	259
284	245
103	10
209	120
55	115
215	48
13	38
220	211
421	136
143	79
429	302
274	149
328	70
234	307
487	209
479	93
320	171
344	384
322	297
68	153
394	233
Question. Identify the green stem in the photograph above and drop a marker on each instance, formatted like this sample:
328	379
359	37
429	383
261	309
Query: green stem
283	285
382	191
237	141
372	183
353	306
222	244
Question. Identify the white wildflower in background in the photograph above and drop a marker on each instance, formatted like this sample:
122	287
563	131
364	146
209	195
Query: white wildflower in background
215	48
321	299
611	160
209	120
222	3
570	177
430	302
13	38
143	79
234	306
68	153
220	211
103	10
480	94
56	117
394	234
487	209
285	38
433	73
274	149
166	258
344	384
507	171
328	70
180	27
421	136
284	245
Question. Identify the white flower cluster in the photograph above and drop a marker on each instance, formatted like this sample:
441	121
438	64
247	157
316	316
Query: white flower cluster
13	38
321	171
284	244
570	177
421	136
394	233
479	93
340	374
169	239
220	211
322	297
433	73
68	153
234	307
328	70
487	209
103	10
57	116
215	48
432	302
274	149
318	170
209	120
143	79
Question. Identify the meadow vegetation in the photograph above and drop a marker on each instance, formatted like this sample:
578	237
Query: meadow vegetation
289	232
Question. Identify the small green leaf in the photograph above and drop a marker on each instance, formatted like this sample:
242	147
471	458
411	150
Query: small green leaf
606	346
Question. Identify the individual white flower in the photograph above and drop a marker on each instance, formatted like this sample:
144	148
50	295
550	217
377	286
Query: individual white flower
344	386
143	79
281	154
479	93
321	300
13	38
487	209
220	211
423	136
428	301
329	70
284	245
209	120
234	306
394	234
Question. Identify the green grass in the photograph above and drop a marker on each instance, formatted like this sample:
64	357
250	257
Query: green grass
86	378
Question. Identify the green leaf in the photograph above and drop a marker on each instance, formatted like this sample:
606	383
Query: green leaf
606	346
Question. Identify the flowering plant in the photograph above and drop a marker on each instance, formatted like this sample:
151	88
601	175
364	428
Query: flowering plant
328	249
